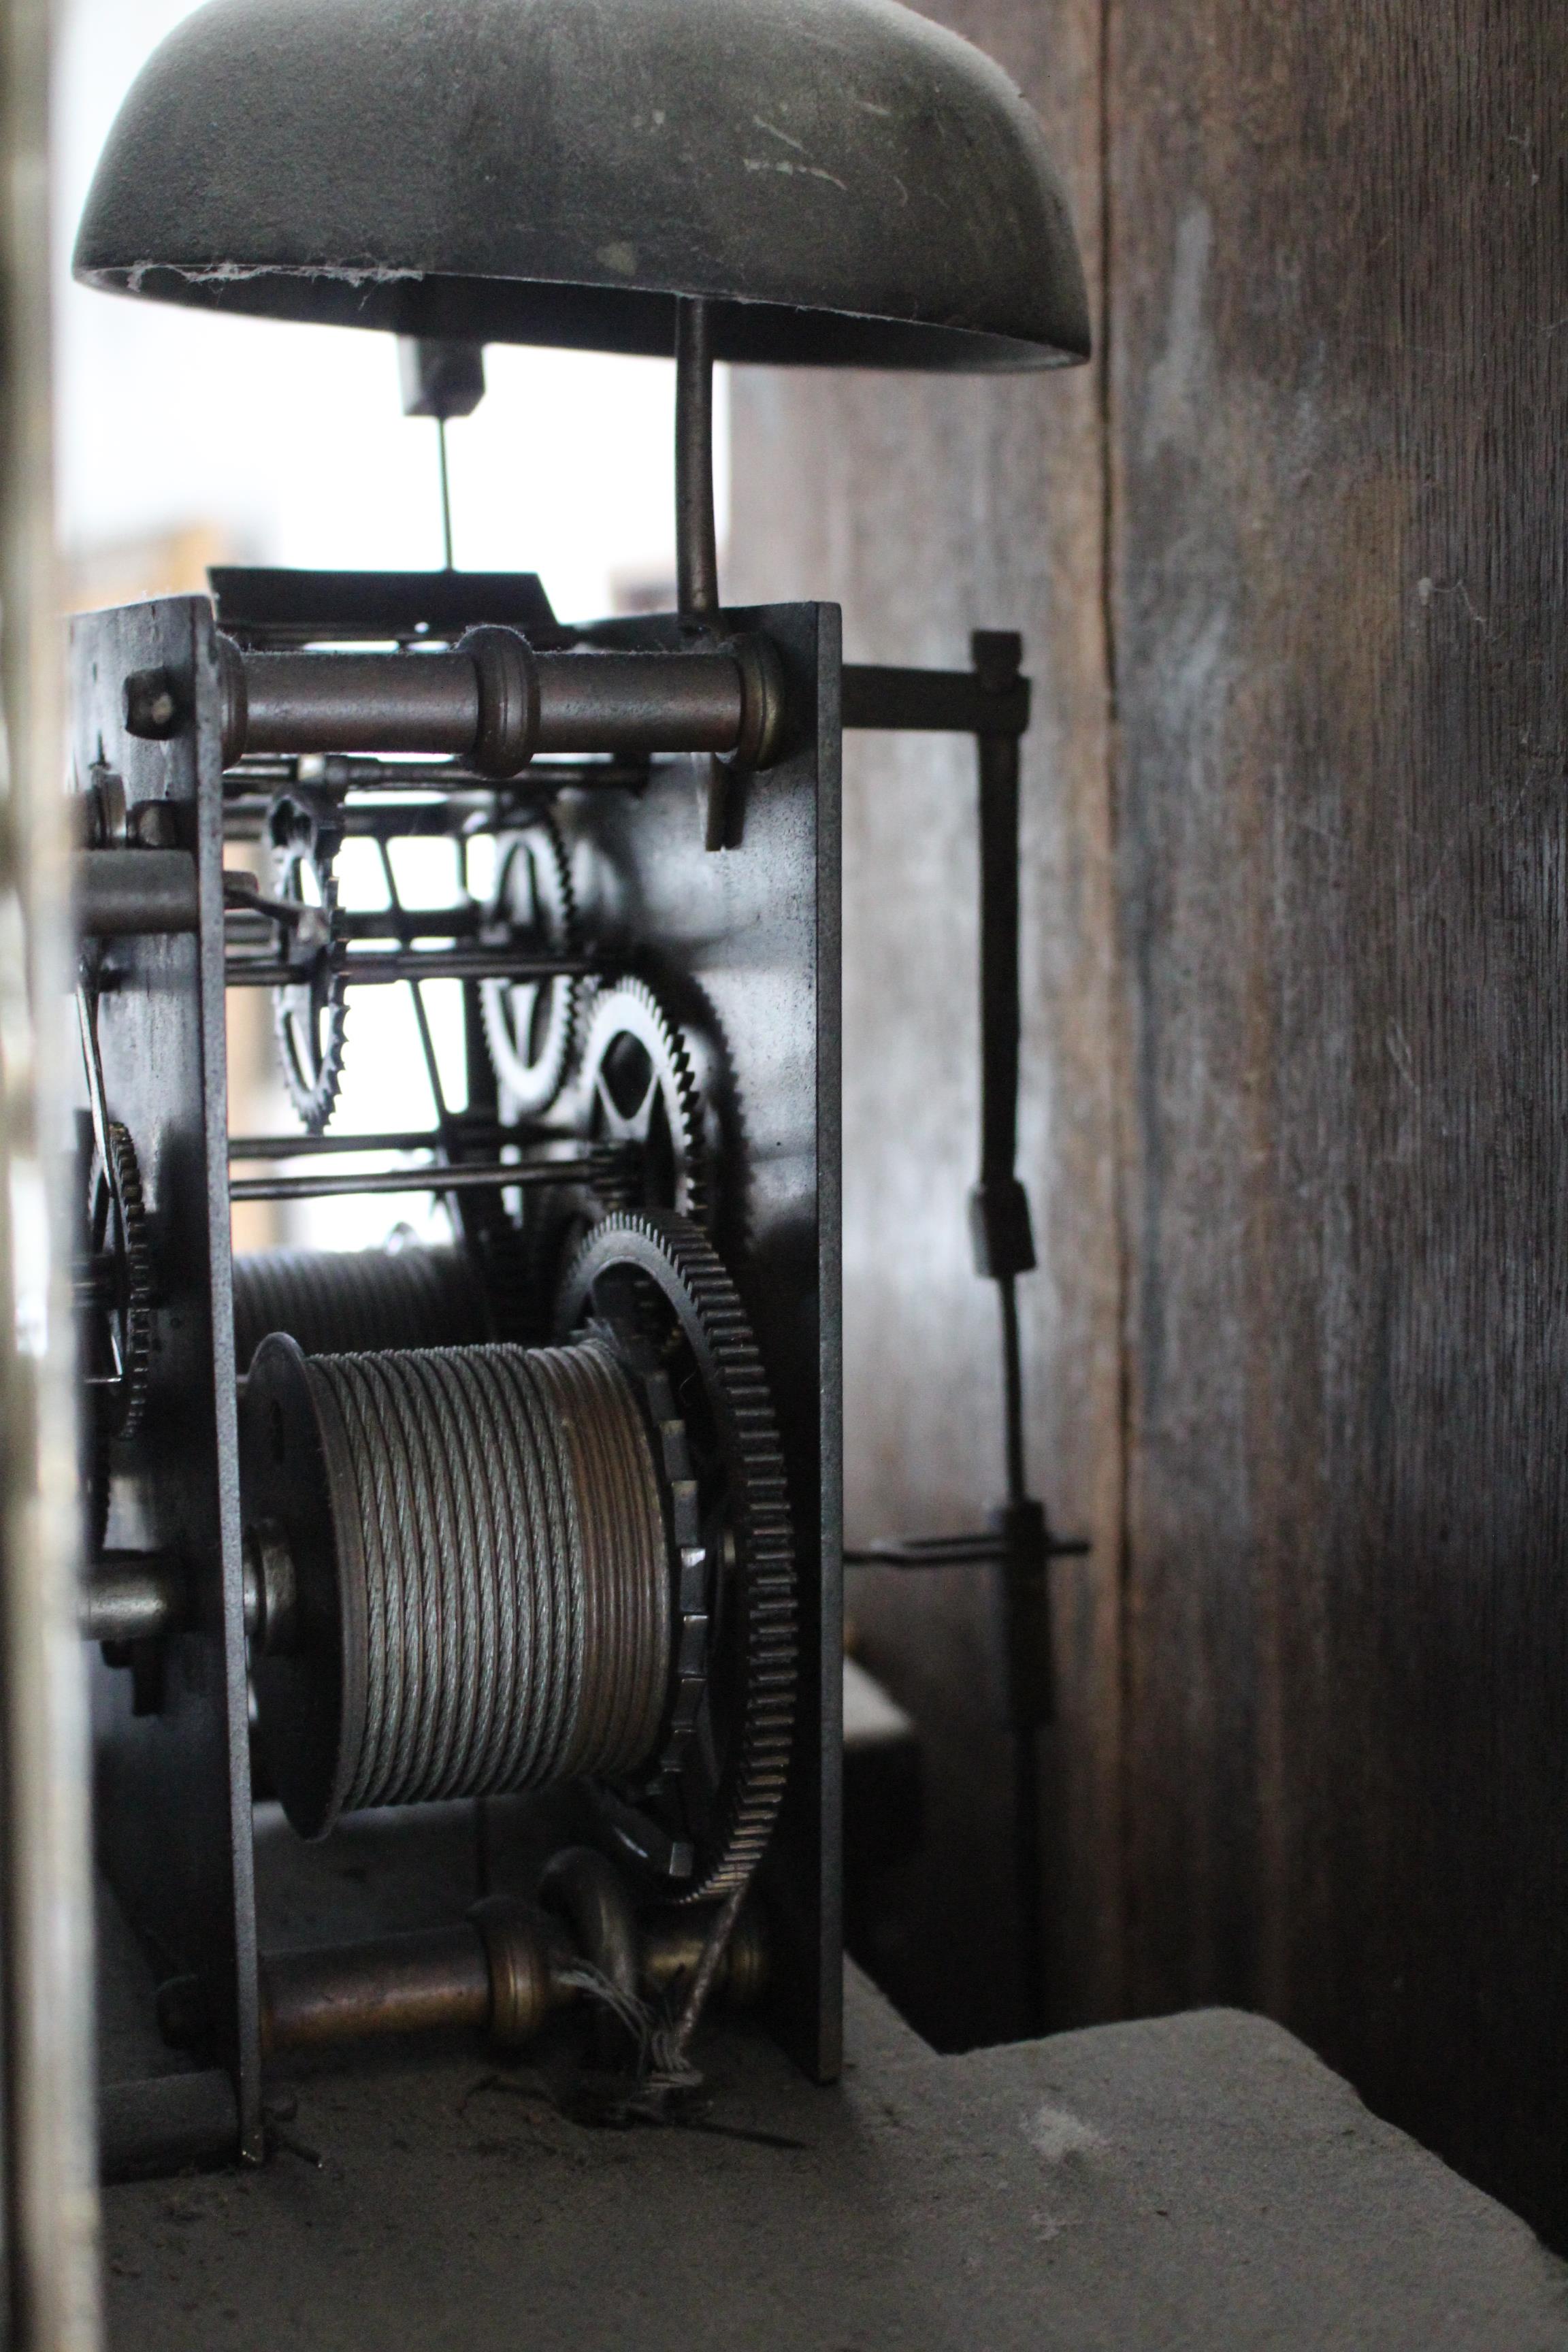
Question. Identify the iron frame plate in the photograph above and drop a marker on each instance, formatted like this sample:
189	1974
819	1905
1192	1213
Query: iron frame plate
744	946
173	1788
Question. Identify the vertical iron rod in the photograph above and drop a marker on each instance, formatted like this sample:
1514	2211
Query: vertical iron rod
999	1019
1013	1383
1027	1862
696	539
1004	1249
696	532
1009	1251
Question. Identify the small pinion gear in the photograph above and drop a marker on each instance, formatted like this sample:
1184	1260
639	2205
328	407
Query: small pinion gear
309	1014
122	1342
725	1751
530	1025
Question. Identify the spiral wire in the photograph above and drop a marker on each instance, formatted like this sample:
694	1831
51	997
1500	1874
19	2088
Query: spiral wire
351	1302
503	1509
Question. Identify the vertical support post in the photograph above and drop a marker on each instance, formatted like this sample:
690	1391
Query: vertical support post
45	1942
696	533
1004	1249
696	536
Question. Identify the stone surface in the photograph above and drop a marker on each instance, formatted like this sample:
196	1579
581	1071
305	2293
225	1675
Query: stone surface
1193	2181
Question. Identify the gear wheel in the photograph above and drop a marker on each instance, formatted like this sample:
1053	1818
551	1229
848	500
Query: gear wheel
308	1015
636	1087
530	1025
640	1089
723	1756
120	1347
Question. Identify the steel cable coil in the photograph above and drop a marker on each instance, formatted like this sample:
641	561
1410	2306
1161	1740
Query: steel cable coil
481	1540
351	1302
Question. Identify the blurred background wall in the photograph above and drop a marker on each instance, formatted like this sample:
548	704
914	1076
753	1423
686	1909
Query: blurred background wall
1291	563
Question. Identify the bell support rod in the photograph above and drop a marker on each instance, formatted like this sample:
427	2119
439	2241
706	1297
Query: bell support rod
696	535
494	702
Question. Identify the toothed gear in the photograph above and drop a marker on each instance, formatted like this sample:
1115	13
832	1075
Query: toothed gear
122	1320
530	1025
724	1752
635	1085
309	1015
640	1088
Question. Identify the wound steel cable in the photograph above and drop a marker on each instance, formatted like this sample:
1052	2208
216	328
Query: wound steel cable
353	1302
508	1524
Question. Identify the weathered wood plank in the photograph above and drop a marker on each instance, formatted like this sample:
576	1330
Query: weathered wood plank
1340	269
1337	251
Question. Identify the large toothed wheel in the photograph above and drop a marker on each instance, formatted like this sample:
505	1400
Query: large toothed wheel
701	1814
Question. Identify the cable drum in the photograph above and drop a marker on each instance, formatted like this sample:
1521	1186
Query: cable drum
483	1569
350	1302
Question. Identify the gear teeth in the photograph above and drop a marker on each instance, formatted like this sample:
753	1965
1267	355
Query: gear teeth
135	1278
632	1009
754	1773
315	1105
534	1087
314	1096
